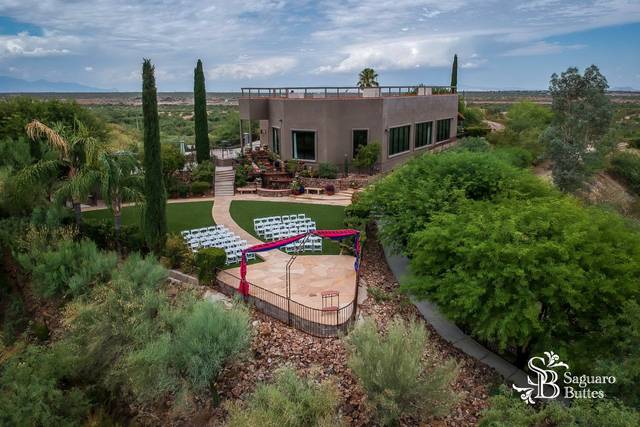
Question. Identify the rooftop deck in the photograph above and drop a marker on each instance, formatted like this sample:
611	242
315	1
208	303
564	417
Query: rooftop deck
344	91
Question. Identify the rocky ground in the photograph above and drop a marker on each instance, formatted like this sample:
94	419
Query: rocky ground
275	345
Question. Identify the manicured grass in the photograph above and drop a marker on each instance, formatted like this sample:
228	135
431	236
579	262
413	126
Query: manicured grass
326	217
180	216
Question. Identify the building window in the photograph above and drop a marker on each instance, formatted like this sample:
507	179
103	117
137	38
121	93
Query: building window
399	139
304	144
275	140
444	130
360	137
423	134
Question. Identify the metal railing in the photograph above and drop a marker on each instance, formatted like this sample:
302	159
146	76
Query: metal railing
343	91
314	321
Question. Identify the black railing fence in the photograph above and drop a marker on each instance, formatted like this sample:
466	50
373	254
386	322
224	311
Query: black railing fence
314	321
343	91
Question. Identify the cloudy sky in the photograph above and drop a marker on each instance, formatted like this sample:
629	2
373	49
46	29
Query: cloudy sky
500	43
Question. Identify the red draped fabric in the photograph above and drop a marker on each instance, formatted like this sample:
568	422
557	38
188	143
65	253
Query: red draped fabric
327	234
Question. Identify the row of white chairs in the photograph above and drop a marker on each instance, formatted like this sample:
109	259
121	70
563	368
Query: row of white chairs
309	243
281	227
217	237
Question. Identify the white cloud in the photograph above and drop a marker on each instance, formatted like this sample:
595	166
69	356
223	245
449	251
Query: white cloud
541	48
25	45
247	68
88	68
395	55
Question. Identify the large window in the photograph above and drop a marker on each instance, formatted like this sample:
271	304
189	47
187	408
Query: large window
399	139
275	140
423	134
360	137
304	144
444	130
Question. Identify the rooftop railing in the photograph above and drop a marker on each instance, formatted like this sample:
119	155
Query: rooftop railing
344	91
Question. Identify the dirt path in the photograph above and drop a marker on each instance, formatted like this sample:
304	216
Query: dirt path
495	126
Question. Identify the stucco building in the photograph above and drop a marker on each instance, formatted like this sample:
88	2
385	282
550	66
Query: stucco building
328	124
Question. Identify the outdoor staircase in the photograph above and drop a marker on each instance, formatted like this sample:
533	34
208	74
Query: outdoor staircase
224	179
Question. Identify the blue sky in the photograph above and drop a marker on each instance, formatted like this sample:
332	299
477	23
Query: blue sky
501	44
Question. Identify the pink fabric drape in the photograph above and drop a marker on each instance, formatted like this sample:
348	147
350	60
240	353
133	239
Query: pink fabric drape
327	234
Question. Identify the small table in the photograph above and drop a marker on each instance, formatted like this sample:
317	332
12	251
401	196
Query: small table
317	190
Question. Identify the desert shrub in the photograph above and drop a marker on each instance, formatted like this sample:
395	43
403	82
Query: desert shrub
33	389
622	359
131	339
289	401
477	131
293	166
529	274
528	115
207	260
327	170
367	156
391	369
516	156
177	253
103	233
199	188
634	142
209	335
626	166
506	410
67	268
474	144
204	172
405	200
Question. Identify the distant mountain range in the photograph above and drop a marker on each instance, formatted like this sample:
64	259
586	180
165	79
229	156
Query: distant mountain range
12	85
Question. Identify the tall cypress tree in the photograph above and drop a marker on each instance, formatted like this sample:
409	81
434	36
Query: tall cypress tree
454	72
154	220
200	114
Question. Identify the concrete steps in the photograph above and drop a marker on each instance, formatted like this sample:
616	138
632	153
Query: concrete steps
224	181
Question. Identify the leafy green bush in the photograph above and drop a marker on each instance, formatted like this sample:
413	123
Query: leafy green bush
293	166
177	253
34	390
528	115
529	274
67	268
207	260
199	188
204	172
327	170
516	156
367	156
290	401
626	166
391	369
103	233
474	144
506	410
179	189
634	142
405	200
477	131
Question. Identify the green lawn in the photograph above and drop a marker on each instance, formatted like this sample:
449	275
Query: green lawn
180	216
326	217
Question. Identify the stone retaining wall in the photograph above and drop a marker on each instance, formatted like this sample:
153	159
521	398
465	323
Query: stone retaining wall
340	184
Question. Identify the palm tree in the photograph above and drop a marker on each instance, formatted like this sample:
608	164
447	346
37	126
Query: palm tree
119	183
367	78
76	152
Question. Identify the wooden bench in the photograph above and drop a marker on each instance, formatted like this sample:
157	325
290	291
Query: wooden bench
243	190
317	190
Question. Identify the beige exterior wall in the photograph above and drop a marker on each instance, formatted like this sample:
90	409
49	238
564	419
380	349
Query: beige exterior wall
334	119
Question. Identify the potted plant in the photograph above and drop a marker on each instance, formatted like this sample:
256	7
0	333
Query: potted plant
296	187
329	189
